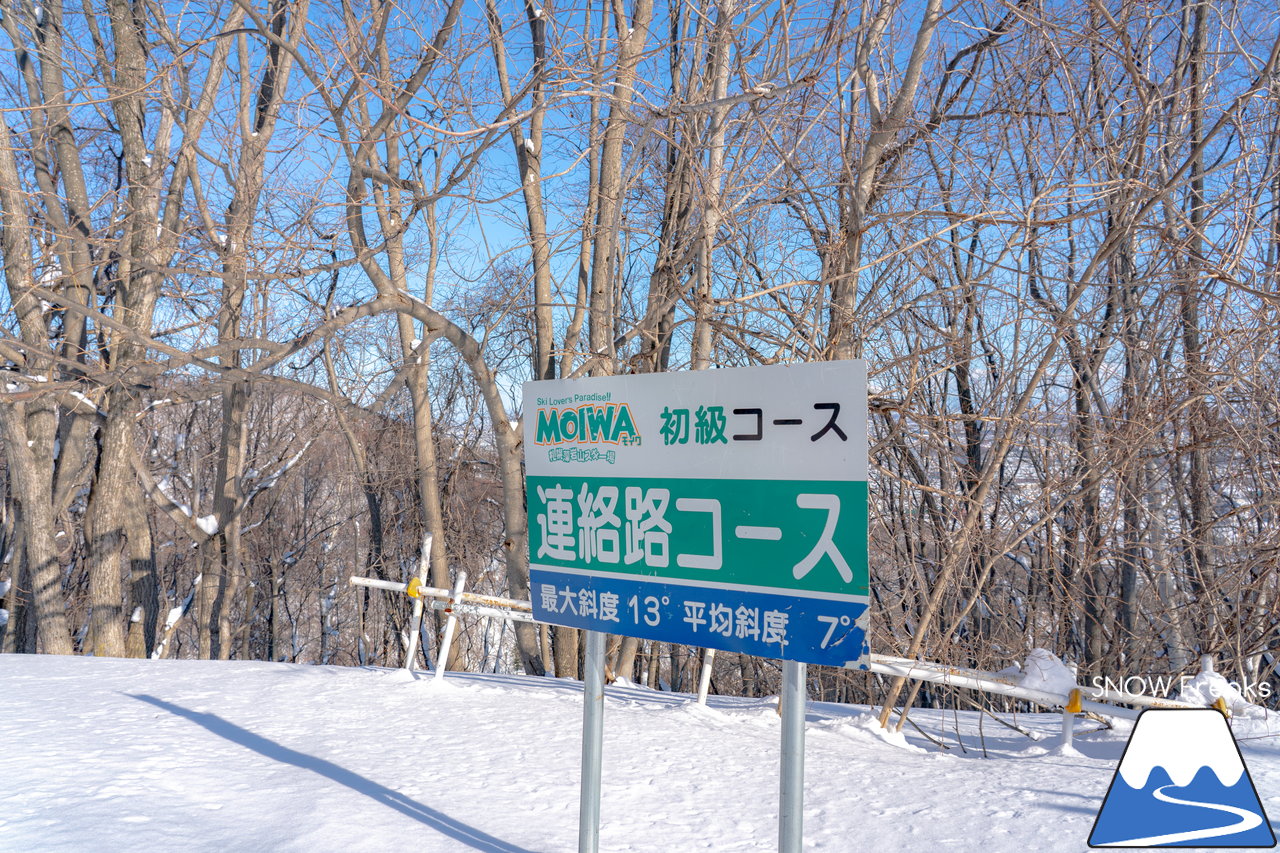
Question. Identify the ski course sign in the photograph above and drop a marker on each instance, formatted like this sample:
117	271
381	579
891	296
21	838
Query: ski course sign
722	508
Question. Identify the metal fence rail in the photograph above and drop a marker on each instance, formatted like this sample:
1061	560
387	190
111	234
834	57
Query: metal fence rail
1082	699
1094	699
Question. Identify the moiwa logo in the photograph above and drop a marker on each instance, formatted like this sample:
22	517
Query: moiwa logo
1182	782
585	419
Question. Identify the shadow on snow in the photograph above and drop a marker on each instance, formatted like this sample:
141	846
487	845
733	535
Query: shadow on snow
438	821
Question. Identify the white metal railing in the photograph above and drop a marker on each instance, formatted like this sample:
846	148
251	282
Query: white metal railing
451	601
1082	699
471	603
1095	699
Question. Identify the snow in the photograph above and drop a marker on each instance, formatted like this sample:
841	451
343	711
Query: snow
166	489
4	617
105	754
207	523
83	399
174	614
1044	672
1012	671
4	586
271	479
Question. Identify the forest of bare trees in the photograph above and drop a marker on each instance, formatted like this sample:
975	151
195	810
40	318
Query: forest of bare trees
274	272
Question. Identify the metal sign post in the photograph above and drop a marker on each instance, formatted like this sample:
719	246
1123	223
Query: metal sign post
592	743
793	700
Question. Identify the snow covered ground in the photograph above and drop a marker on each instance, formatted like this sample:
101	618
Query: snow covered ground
114	755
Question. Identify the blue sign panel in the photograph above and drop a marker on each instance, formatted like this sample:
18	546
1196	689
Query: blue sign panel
773	624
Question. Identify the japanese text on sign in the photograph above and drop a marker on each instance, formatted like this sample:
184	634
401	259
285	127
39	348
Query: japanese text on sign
710	424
